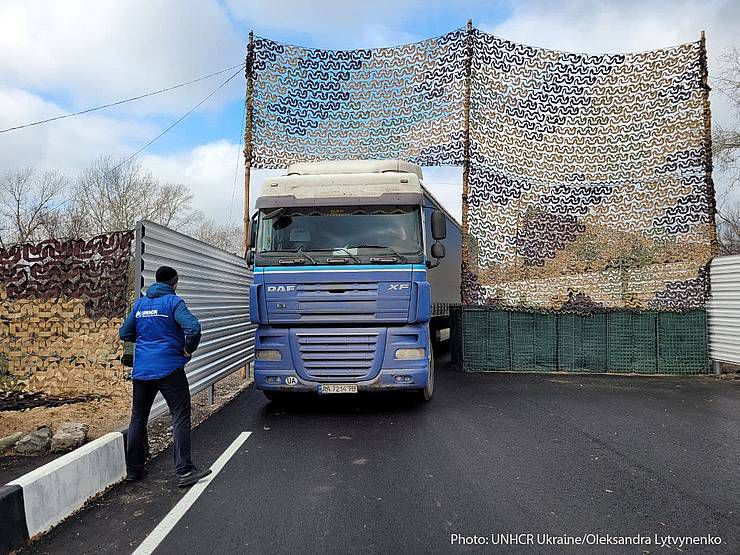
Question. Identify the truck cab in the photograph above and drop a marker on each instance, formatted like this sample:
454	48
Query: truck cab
341	295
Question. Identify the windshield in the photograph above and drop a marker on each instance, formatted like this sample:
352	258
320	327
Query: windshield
341	231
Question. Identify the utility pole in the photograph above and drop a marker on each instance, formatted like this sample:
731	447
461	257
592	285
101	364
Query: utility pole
466	152
708	139
248	72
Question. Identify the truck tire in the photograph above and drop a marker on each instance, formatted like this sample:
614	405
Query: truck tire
426	393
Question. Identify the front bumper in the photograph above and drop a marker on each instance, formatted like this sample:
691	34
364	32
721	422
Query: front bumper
281	380
386	372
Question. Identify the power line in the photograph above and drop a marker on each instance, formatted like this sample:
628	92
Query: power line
153	93
186	114
242	130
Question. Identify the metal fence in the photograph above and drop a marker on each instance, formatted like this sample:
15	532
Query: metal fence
723	311
215	286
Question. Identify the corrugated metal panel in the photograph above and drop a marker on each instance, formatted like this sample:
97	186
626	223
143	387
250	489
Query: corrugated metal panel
215	286
723	310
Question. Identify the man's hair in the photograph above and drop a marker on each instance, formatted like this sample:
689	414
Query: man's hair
167	274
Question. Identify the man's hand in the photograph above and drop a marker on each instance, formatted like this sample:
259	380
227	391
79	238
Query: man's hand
185	352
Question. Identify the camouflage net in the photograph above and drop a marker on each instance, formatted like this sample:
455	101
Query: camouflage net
404	102
61	303
589	183
94	270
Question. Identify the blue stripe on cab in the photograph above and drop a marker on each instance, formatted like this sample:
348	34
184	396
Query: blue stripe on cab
337	268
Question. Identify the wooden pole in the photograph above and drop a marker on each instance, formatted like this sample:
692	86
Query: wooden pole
708	141
248	72
466	156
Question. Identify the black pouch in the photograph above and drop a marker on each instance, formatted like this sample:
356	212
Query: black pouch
127	359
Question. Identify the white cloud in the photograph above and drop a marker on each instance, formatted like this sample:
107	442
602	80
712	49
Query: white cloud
214	175
108	49
335	23
67	145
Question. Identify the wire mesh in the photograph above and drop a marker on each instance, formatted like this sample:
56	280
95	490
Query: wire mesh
682	343
490	340
632	344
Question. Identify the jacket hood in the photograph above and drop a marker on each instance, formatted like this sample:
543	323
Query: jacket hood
159	289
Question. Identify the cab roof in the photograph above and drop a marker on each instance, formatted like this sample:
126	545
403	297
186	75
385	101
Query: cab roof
354	166
388	182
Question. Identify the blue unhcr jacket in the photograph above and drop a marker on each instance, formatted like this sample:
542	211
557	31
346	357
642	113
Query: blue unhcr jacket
163	328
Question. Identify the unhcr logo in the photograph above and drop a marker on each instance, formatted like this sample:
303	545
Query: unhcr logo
148	313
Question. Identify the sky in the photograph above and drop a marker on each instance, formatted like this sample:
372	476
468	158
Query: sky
62	56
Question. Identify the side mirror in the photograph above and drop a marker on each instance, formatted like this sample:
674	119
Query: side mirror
252	232
438	250
439	226
250	258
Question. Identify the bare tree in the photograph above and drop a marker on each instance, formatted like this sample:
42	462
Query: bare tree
29	204
109	197
726	154
728	80
223	236
728	230
106	197
726	140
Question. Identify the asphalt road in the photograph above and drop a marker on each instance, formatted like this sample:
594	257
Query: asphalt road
12	467
491	454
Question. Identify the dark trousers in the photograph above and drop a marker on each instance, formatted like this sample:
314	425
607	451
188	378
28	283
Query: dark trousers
174	389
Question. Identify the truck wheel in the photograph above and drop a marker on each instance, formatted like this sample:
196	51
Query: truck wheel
426	393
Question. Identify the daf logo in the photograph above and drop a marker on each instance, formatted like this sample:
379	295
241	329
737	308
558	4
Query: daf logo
280	288
397	286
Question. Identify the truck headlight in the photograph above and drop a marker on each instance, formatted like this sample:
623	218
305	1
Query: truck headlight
268	354
410	354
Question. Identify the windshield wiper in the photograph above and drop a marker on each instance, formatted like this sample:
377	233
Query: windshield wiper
352	256
300	250
394	251
292	251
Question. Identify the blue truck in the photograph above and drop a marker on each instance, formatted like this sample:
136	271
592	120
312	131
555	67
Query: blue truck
355	266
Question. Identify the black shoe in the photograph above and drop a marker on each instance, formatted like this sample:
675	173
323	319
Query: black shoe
135	476
191	477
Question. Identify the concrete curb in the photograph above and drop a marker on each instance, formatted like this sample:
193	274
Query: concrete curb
13	530
37	501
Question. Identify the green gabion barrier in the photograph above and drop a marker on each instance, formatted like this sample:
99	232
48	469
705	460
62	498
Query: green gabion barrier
490	340
581	343
456	335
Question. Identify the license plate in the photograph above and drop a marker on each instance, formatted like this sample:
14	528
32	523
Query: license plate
325	388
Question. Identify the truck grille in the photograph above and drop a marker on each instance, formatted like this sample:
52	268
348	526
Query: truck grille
350	302
338	356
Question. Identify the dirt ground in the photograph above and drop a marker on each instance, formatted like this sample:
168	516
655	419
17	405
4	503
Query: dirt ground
111	414
102	416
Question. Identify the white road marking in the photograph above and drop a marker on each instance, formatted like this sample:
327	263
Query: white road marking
168	522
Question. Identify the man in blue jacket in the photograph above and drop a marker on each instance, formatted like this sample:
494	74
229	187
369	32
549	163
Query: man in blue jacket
166	335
